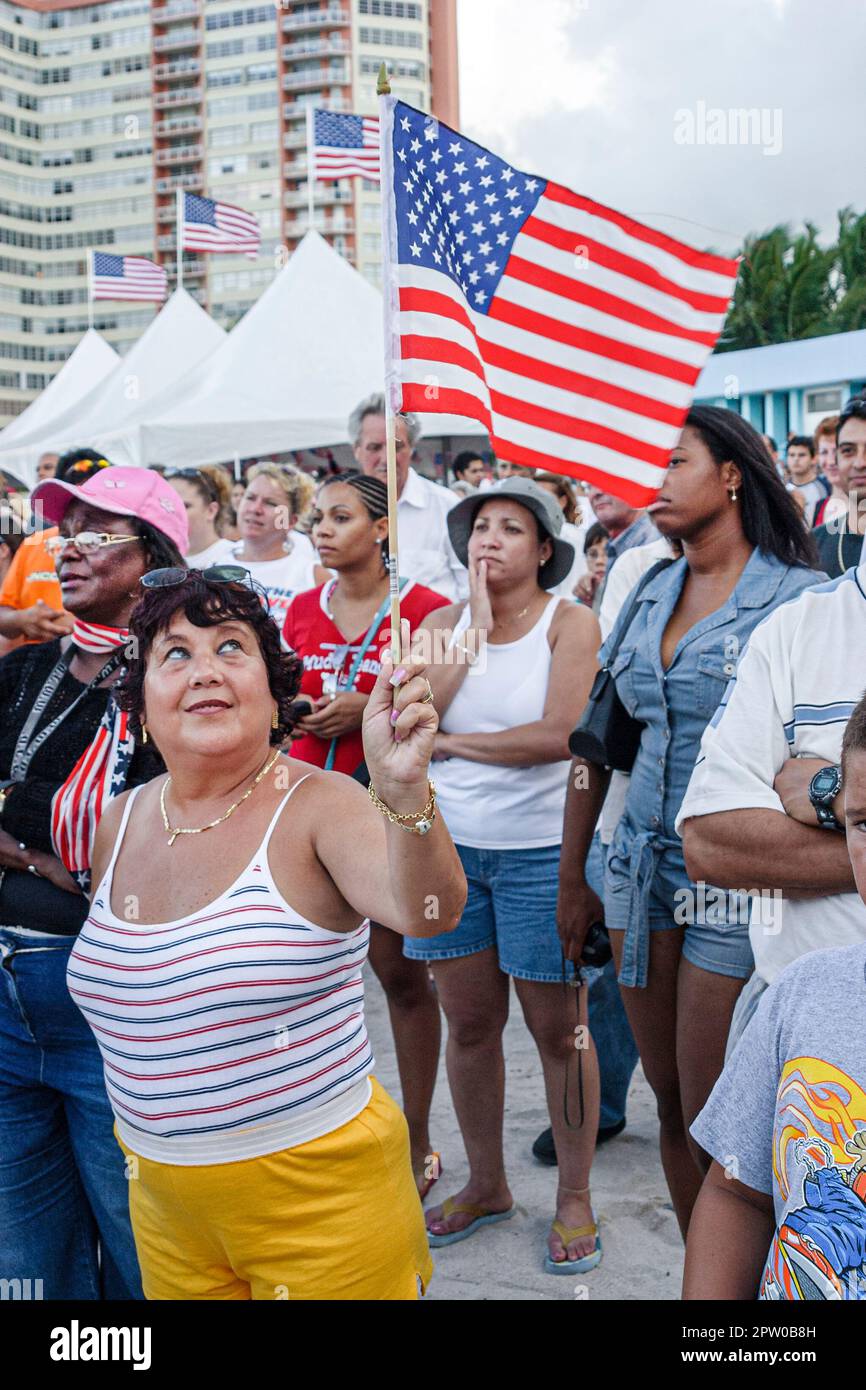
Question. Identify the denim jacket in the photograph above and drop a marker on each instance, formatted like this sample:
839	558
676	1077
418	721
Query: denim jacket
675	707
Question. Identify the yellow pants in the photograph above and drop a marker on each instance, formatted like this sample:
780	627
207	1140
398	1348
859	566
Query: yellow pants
337	1218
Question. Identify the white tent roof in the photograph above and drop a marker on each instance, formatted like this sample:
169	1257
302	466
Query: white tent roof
286	377
180	336
86	366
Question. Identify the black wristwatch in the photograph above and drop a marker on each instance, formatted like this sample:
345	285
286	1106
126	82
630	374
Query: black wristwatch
824	787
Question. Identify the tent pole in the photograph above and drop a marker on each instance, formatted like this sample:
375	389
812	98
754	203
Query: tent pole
311	182
91	259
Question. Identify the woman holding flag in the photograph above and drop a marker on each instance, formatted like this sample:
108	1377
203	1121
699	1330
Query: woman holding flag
64	751
339	630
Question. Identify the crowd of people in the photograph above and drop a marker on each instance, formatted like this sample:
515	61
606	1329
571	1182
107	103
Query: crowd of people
621	762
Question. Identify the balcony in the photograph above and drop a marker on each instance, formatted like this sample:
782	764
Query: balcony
179	154
294	141
296	168
178	125
323	197
178	38
185	67
314	19
179	96
312	48
295	110
336	76
191	181
297	226
181	9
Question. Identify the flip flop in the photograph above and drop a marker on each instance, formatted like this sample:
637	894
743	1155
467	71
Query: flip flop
567	1234
482	1217
437	1173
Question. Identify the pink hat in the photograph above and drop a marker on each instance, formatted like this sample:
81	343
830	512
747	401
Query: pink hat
125	492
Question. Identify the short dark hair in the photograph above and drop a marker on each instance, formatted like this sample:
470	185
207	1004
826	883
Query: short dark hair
463	460
854	409
804	441
596	533
77	465
854	737
206	603
771	520
771	441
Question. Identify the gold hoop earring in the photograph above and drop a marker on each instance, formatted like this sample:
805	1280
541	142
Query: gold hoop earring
143	732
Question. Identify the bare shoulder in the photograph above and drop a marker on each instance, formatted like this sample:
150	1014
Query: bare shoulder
576	623
446	617
106	833
326	799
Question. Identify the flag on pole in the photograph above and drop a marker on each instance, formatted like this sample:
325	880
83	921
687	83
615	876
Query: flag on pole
345	146
211	226
573	332
126	277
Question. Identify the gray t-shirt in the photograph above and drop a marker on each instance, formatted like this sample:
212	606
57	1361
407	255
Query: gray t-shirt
788	1117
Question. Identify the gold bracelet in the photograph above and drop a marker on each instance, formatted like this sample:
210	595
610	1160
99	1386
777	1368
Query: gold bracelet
423	820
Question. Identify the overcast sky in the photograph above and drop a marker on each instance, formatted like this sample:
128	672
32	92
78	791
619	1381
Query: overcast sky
605	95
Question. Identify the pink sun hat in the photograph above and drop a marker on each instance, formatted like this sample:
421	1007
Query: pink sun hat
135	492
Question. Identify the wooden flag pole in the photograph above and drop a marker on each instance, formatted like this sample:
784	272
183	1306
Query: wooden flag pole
389	297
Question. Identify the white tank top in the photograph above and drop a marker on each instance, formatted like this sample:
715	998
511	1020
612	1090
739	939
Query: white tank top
488	806
230	1033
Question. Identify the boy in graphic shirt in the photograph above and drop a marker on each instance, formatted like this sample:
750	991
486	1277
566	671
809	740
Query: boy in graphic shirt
782	1212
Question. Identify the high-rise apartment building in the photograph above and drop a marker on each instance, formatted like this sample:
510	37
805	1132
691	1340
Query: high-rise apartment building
107	109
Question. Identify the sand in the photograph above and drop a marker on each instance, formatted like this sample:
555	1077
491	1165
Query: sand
643	1253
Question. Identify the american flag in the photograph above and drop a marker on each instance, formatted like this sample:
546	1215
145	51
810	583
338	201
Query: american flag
344	146
574	333
211	226
127	277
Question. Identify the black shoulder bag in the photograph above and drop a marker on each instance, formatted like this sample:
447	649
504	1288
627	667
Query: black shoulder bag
607	735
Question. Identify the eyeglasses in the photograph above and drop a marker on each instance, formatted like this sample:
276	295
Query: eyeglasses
174	576
86	541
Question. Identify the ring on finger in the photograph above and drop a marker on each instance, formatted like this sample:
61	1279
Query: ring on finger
428	698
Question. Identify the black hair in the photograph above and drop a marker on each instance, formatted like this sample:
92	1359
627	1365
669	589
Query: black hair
804	441
206	603
373	494
463	460
854	409
771	441
596	533
162	553
771	520
72	466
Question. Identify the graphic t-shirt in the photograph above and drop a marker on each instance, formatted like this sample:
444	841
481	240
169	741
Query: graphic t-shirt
325	652
788	1117
32	576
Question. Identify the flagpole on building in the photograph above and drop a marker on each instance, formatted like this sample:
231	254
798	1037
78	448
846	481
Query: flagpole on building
393	398
90	260
179	237
311	183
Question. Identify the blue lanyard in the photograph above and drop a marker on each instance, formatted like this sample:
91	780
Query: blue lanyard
349	683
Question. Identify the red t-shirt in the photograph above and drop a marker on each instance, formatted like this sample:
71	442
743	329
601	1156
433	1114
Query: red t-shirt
311	633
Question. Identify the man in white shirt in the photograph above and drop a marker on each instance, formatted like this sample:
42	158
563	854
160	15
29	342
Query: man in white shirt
425	552
756	815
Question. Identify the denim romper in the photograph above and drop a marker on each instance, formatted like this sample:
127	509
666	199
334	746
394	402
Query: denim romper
646	881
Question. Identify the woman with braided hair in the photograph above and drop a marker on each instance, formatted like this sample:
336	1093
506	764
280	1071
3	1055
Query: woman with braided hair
340	630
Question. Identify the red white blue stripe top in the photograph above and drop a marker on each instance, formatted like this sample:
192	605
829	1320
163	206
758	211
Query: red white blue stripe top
229	1033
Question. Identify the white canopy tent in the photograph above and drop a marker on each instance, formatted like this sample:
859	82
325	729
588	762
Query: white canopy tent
86	366
180	336
285	378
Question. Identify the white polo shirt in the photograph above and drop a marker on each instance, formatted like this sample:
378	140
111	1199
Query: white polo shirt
796	685
425	550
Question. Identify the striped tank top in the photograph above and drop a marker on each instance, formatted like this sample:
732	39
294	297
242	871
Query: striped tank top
230	1033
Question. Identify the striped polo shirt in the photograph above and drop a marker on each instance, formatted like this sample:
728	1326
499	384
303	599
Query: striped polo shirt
230	1033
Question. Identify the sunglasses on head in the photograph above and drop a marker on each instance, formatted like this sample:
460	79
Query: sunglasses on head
194	475
174	576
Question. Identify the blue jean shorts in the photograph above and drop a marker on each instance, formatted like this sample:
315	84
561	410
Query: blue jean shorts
512	906
716	924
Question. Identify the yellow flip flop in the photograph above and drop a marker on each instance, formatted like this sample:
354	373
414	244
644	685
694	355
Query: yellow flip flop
567	1234
481	1217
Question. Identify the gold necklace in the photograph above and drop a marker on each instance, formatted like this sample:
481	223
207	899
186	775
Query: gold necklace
173	832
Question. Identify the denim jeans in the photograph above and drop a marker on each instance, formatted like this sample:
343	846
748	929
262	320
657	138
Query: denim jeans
64	1200
611	1033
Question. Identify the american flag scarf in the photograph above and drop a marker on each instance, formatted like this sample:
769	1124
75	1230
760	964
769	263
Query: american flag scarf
100	772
